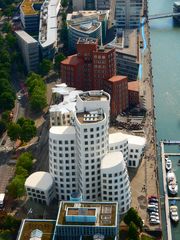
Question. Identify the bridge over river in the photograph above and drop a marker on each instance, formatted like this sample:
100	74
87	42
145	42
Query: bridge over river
163	15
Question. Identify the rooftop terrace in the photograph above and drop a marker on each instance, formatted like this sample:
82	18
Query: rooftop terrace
90	117
31	7
106	213
94	96
47	227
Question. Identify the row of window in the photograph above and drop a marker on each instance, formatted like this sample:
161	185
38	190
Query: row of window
66	142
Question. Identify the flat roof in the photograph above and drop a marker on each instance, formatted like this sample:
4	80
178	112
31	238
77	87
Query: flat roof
106	213
117	78
86	27
27	7
62	130
90	117
40	180
26	37
133	86
72	60
48	23
113	159
94	95
132	139
46	226
85	211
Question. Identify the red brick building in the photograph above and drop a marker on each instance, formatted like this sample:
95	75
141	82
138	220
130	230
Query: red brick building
133	93
95	63
117	87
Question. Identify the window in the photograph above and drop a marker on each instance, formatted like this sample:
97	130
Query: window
85	130
72	141
66	142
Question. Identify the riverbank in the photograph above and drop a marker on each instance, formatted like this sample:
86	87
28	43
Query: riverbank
145	182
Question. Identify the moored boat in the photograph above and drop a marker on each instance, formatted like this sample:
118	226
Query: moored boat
174	212
172	183
168	164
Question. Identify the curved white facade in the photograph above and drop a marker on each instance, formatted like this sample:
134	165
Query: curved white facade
40	187
115	185
62	160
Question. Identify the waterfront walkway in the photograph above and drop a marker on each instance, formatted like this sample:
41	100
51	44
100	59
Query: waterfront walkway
166	198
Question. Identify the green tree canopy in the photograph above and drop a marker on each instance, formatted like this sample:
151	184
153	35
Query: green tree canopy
2	127
45	66
25	161
14	131
21	171
16	187
132	216
133	233
7	101
58	59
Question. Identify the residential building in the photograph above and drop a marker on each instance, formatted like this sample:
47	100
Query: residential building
133	93
117	87
48	28
115	185
40	187
128	14
29	49
29	14
90	66
128	55
87	219
100	221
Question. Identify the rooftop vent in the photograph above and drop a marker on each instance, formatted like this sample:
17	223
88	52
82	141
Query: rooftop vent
36	234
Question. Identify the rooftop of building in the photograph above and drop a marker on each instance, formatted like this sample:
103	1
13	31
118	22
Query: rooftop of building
25	36
86	26
105	48
106	213
132	139
45	226
87	41
117	78
64	130
72	60
94	95
112	159
133	86
28	7
90	117
79	16
126	42
48	23
39	180
177	4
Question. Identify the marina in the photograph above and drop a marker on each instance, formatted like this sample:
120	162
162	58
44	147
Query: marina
167	198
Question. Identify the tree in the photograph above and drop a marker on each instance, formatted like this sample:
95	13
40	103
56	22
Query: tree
133	232
64	3
132	216
45	66
25	161
14	131
6	101
16	187
6	116
11	40
58	59
38	100
6	27
2	127
21	171
28	131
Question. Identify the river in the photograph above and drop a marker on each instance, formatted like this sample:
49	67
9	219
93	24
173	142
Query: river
165	47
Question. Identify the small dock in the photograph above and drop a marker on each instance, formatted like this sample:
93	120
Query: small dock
166	198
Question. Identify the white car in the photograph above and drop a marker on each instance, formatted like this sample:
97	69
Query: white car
19	97
154	213
154	221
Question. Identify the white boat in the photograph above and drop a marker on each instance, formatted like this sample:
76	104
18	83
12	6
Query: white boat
172	183
174	213
168	164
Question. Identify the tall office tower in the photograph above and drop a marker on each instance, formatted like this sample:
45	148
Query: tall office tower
128	14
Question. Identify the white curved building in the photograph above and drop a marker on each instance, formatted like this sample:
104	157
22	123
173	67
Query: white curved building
62	160
40	187
115	185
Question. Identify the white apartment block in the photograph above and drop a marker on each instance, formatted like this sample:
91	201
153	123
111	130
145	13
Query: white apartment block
128	14
82	155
